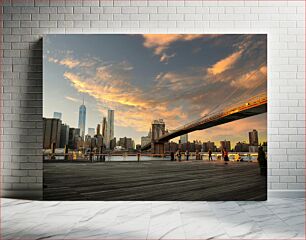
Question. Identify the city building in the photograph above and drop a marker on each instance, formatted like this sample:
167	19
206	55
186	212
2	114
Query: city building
74	135
171	147
57	115
64	137
87	141
184	138
225	145
112	143
99	141
208	145
51	133
146	139
241	147
91	132
82	119
104	131
126	143
98	132
253	149
104	127
253	138
110	126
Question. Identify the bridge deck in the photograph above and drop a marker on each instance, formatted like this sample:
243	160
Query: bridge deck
153	180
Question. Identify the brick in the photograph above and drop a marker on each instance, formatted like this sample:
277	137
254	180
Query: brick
129	10
112	10
73	16
147	9
82	24
98	24
288	179
29	10
166	10
64	10
185	10
140	17
91	2
47	24
50	10
158	3
29	24
73	3
81	9
138	3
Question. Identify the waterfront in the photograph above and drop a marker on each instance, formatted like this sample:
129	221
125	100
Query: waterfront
154	180
151	157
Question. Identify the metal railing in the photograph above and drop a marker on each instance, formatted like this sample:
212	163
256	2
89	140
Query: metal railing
107	157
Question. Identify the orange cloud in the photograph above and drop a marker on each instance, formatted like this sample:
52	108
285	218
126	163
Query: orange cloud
105	92
165	58
225	63
251	79
160	42
71	62
134	108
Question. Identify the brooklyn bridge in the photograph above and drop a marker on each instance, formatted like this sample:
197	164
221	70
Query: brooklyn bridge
243	109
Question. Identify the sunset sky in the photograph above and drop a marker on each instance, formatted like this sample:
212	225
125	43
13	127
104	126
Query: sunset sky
175	77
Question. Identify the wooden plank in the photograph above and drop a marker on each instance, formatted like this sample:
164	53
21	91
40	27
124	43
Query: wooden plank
154	180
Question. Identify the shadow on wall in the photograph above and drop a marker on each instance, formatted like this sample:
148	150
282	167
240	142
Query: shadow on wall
29	154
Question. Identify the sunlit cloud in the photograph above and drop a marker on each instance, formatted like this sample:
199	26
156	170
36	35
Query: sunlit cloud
177	93
71	63
225	63
160	42
165	58
134	108
251	79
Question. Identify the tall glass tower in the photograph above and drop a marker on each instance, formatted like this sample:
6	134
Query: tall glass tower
110	127
82	119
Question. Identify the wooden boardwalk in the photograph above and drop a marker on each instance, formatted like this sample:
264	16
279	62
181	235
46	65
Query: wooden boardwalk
154	180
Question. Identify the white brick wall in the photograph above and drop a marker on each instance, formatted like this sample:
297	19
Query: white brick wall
26	21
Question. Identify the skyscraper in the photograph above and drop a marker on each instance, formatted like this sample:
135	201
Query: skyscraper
57	115
253	138
82	119
110	126
64	138
98	132
91	132
104	131
51	132
104	127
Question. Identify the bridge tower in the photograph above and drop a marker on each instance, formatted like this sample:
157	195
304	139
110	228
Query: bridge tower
158	129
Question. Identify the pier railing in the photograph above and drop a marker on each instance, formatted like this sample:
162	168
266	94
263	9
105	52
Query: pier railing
111	157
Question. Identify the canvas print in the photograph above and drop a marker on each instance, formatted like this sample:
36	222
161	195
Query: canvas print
155	117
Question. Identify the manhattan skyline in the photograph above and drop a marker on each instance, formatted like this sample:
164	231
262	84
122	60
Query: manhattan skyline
177	78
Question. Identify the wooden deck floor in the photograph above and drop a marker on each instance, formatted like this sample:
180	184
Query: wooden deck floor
154	180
